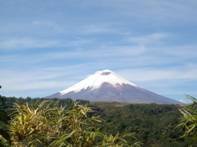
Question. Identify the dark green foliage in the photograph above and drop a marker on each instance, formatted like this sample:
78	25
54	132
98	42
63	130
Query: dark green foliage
48	123
154	125
4	118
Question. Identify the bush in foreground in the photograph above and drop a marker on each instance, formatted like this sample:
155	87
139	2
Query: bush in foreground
51	125
189	120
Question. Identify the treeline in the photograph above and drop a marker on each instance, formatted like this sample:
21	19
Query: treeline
155	125
144	124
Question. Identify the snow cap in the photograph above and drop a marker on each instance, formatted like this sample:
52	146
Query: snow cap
97	80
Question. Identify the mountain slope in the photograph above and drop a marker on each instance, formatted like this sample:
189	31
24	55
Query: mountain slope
108	86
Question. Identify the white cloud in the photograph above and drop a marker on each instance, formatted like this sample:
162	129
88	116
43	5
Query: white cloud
150	74
26	43
183	51
39	78
155	11
149	39
60	77
96	53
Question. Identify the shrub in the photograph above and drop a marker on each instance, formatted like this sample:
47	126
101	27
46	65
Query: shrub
48	124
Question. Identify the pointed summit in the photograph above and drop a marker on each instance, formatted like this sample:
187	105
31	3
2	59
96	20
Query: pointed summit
96	80
105	85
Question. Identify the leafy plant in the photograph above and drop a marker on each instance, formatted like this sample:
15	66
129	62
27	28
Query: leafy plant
48	124
189	119
3	141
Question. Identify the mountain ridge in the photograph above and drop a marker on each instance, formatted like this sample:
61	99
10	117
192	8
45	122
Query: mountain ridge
108	86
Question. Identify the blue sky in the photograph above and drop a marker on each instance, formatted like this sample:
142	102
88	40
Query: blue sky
47	45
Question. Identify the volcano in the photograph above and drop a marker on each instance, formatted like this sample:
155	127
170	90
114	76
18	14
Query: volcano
107	86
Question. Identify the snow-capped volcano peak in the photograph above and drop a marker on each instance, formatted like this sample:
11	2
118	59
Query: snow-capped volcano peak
97	80
107	86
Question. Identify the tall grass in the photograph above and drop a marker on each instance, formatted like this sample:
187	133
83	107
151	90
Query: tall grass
48	124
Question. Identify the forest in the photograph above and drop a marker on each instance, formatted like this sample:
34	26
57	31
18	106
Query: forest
64	122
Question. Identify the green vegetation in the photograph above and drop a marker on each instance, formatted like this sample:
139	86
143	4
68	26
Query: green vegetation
155	125
189	120
40	122
49	124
